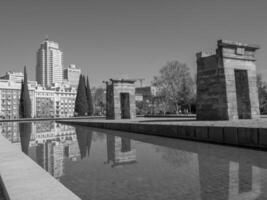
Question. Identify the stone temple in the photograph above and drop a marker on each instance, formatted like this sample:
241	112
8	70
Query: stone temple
227	83
120	98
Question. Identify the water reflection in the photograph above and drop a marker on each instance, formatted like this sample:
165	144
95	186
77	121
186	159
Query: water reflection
120	151
25	130
138	166
84	137
47	143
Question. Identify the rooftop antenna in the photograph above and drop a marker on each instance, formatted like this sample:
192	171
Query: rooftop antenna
46	37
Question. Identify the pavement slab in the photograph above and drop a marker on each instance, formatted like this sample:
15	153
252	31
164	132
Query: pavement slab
23	179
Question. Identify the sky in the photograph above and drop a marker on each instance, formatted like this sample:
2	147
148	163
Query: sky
127	38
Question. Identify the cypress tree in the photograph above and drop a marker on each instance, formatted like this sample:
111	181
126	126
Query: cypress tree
89	99
81	105
21	100
25	101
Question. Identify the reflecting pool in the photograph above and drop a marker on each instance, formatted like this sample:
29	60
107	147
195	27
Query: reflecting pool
105	164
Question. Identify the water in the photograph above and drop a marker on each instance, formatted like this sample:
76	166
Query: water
103	164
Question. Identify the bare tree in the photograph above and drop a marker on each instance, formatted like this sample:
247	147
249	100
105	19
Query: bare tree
175	84
162	101
262	90
100	100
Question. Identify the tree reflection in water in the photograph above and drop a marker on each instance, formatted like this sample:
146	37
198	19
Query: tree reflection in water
182	169
84	137
25	129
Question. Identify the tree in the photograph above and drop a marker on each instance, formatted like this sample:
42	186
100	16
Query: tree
99	100
174	84
81	105
89	99
25	101
162	102
262	91
21	104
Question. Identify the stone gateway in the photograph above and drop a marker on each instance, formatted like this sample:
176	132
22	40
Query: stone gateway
120	98
227	83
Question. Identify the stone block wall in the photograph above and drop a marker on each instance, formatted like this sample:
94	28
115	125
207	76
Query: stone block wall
110	114
226	83
113	98
211	89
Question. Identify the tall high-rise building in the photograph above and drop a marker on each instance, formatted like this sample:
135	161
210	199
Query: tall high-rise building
72	74
49	67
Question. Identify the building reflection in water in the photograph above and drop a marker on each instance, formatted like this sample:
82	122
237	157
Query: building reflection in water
245	182
228	179
205	171
46	142
215	175
120	151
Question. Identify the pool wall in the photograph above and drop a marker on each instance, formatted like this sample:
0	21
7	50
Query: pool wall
253	137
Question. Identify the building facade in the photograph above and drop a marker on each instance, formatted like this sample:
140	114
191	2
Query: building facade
55	102
65	101
145	100
13	76
44	103
10	96
72	75
49	67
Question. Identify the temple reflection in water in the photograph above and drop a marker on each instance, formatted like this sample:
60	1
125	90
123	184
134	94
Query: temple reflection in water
192	170
120	151
230	179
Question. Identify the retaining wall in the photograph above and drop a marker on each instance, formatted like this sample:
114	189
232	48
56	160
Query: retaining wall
238	136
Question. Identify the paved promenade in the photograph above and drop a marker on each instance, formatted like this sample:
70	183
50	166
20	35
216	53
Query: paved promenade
23	179
246	133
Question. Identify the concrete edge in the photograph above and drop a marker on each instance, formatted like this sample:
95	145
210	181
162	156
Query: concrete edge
249	137
50	119
23	179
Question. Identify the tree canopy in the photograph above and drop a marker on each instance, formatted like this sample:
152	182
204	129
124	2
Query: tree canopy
81	104
174	84
89	99
99	100
25	109
262	91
